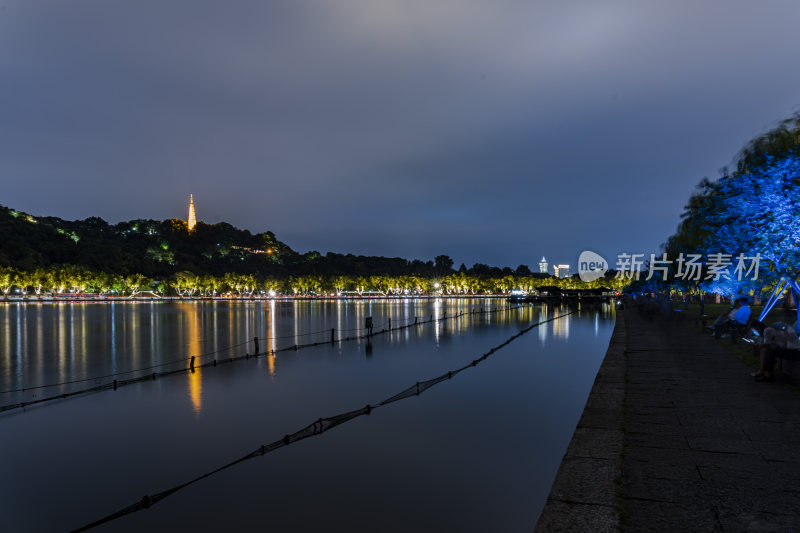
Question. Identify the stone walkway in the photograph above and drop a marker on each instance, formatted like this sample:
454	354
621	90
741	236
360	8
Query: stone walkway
706	447
703	446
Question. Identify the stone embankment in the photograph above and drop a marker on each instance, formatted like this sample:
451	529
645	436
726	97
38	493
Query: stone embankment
676	436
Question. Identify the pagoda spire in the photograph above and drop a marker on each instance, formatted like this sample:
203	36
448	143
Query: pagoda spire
192	222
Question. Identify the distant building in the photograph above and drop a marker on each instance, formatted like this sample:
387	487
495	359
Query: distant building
543	266
561	271
192	221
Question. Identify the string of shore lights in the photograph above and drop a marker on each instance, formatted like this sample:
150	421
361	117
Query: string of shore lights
193	360
318	427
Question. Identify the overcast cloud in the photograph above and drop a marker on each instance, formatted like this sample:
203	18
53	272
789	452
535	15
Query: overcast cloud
494	132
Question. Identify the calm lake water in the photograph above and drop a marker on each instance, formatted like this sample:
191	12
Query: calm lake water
475	453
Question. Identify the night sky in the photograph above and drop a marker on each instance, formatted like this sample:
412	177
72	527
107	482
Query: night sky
494	132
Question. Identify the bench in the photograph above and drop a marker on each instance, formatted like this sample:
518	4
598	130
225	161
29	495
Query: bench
734	328
737	329
788	361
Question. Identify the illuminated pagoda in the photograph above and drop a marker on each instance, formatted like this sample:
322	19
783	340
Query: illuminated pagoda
192	222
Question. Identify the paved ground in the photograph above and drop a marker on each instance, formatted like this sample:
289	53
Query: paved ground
706	447
699	445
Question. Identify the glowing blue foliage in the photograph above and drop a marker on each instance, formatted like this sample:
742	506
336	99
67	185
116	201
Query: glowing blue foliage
759	212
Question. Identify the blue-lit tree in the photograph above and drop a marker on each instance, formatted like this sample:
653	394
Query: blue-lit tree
752	211
757	212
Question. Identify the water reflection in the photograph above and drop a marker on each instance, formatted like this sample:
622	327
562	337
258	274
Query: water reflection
542	317
547	386
191	318
561	326
55	343
273	340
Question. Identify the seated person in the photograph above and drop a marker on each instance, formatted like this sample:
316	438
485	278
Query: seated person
788	322
792	337
723	322
775	342
742	314
739	319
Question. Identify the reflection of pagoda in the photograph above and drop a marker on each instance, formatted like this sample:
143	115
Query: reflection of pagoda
192	222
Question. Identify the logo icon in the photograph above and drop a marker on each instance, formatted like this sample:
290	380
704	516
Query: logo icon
591	266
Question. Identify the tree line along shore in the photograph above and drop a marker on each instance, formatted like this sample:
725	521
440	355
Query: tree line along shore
64	280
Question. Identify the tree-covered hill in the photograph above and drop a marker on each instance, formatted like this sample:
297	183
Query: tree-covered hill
157	248
150	247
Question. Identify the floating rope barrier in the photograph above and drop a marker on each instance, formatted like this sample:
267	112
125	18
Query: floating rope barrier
318	427
122	372
152	374
159	365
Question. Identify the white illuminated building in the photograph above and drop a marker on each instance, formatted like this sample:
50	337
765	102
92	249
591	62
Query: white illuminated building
561	271
543	266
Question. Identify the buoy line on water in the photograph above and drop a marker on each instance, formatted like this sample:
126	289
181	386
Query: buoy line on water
116	383
318	427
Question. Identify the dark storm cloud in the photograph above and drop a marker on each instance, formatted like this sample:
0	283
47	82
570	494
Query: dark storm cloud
491	131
